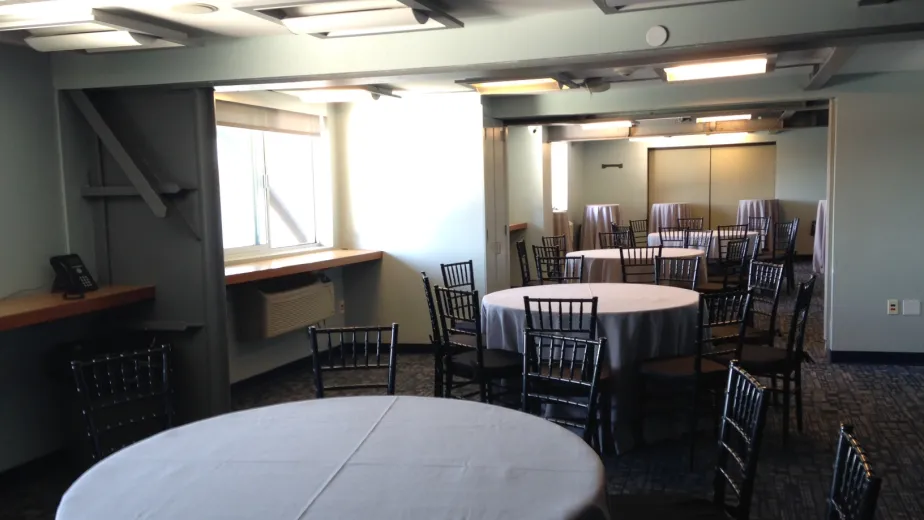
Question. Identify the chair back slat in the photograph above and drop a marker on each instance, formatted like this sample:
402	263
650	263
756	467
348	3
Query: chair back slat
727	309
639	232
674	236
615	240
692	223
677	272
761	225
557	241
559	269
701	240
764	282
795	342
460	275
564	371
525	277
728	233
567	317
353	349
854	488
124	397
740	436
638	264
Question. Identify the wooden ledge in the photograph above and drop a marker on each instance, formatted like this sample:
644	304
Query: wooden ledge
43	308
306	263
518	227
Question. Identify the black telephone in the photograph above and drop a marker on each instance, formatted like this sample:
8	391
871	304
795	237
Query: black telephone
71	276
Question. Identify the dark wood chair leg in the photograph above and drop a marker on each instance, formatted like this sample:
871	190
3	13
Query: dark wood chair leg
605	412
773	389
437	376
786	392
447	389
482	389
693	425
798	390
639	426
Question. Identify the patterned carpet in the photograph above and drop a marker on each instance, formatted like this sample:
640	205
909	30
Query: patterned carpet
884	403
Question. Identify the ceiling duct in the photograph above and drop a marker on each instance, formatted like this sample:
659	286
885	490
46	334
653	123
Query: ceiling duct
622	6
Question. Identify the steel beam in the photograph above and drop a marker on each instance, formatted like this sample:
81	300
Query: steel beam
825	71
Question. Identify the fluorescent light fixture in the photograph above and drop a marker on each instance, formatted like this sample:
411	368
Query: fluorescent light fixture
606	124
337	94
716	69
363	22
93	40
519	86
716	119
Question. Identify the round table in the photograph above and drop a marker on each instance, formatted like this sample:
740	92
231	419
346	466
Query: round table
654	239
348	458
598	218
639	322
666	215
605	265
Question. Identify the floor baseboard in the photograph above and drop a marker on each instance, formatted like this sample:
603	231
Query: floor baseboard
877	358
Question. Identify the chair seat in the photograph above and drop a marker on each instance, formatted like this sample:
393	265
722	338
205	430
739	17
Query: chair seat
752	336
497	362
760	359
658	506
680	367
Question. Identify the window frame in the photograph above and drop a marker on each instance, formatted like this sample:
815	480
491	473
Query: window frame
261	251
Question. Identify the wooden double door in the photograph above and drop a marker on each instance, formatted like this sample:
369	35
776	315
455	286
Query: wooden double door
712	179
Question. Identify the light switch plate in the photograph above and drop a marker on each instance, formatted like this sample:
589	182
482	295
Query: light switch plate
891	306
911	307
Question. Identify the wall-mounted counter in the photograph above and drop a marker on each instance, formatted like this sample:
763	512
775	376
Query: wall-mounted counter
289	265
517	227
43	308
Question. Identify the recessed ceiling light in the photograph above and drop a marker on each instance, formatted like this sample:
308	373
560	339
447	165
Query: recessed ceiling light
715	119
606	124
716	69
518	86
194	8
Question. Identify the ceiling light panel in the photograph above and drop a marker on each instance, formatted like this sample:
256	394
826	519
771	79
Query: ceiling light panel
519	86
340	18
716	119
716	69
84	41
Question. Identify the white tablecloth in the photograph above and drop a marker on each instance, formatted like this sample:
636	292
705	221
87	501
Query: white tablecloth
760	208
639	322
598	218
345	459
605	265
818	256
562	226
654	239
666	215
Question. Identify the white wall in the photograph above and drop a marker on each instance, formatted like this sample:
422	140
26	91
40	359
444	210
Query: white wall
410	182
525	182
801	175
876	226
32	226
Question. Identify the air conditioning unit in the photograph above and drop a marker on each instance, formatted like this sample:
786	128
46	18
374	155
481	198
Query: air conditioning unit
270	312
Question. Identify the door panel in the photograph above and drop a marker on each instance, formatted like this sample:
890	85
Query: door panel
680	175
740	173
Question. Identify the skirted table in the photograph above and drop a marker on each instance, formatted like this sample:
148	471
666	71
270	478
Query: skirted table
598	218
654	240
666	215
562	226
760	208
639	321
605	265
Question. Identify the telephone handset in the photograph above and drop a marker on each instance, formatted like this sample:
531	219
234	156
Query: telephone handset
71	276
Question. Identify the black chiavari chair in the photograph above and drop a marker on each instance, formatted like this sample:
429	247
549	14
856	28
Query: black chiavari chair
523	258
790	272
638	264
572	317
674	236
463	351
726	234
615	240
540	252
701	240
731	268
761	225
354	349
460	275
435	339
565	372
125	397
677	272
560	269
692	223
615	228
740	437
854	488
700	373
639	232
556	241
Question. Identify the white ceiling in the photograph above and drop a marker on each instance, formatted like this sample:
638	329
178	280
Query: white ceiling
886	57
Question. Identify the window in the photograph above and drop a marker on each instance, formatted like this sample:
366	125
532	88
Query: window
267	191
